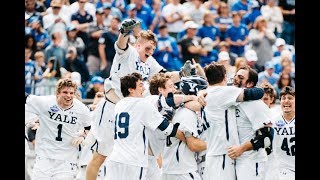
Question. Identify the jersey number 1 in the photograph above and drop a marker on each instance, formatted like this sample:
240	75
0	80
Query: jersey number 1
122	121
59	138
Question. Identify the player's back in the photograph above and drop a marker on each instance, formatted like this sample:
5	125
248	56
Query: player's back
284	142
132	117
177	157
221	118
252	116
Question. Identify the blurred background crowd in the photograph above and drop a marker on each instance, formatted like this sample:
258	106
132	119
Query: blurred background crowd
75	38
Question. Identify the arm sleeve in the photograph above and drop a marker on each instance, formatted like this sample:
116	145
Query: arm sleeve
188	122
257	112
150	111
228	96
123	52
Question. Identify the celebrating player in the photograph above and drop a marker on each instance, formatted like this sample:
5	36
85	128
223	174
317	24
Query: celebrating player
61	116
222	132
129	158
102	131
284	138
137	58
179	157
254	128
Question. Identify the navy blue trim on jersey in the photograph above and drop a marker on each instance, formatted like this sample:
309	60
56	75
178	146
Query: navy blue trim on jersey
108	100
206	124
164	124
227	127
140	177
159	103
191	175
177	153
170	99
144	139
294	118
125	47
102	112
257	169
67	108
224	161
95	143
168	141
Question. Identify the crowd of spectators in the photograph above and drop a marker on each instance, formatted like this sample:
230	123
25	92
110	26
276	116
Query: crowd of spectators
75	38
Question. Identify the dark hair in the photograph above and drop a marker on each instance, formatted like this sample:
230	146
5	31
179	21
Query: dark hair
279	83
287	90
129	81
156	81
215	73
253	75
26	39
56	66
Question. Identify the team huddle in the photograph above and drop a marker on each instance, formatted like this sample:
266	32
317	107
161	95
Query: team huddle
152	124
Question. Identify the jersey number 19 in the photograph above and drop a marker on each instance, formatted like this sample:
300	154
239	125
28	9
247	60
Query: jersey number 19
121	125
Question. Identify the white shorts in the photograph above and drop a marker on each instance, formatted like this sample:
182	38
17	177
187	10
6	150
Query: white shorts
45	168
189	176
201	162
102	138
248	169
83	171
153	170
281	174
101	141
120	171
219	168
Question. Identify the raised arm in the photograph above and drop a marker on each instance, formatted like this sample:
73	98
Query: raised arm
126	28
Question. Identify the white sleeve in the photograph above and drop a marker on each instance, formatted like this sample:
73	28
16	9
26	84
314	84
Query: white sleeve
33	103
123	52
150	111
188	122
29	117
224	96
84	113
257	112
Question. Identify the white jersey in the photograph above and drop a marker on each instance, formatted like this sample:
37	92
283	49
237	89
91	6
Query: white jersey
223	129
100	137
102	127
250	117
203	126
157	139
177	157
284	142
58	127
127	62
130	140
